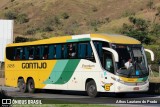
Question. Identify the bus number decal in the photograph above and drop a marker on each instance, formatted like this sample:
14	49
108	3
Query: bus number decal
10	66
107	86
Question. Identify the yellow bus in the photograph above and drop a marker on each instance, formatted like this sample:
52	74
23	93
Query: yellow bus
89	62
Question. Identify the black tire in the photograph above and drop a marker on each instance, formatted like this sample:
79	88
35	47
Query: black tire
91	89
120	95
31	86
22	86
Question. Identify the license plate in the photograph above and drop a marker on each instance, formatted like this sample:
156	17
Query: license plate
136	88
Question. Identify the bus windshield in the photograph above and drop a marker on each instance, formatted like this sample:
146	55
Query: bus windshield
132	61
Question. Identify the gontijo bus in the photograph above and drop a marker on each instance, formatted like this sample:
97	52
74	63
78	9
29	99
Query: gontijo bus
90	62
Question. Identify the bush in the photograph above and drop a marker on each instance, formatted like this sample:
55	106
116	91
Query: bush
10	15
155	30
94	9
30	31
107	19
56	21
32	39
50	23
97	23
72	29
22	18
6	8
47	28
128	13
65	15
19	39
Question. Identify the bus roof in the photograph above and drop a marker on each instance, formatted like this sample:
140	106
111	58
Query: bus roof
119	39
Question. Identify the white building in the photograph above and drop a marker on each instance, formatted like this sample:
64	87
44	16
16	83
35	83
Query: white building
6	36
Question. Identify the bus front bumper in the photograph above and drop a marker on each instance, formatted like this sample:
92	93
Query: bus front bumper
119	87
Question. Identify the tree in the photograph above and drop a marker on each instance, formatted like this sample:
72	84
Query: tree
138	29
22	18
10	15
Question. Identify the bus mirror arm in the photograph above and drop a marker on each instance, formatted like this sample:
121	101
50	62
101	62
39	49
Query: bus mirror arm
151	53
115	54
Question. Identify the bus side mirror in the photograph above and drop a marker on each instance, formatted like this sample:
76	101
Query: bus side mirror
151	53
115	54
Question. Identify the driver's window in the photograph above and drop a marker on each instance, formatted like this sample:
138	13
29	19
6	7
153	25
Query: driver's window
104	56
107	63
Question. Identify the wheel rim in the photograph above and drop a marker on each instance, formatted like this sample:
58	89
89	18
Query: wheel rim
31	85
91	89
23	86
19	84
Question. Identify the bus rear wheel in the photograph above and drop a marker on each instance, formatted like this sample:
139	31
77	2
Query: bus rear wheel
31	86
91	89
22	86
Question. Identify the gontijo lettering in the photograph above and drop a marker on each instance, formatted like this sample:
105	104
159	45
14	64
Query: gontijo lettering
34	65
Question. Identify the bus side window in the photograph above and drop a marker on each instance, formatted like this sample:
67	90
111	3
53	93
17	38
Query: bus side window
90	54
58	51
23	53
16	56
18	53
31	53
98	46
82	50
72	50
45	52
51	54
10	53
65	51
26	52
37	52
109	63
89	51
41	51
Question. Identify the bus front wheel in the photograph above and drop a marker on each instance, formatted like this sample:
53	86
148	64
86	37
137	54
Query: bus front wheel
31	86
22	86
91	89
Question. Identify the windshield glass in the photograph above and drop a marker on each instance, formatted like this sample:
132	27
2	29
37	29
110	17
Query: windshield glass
132	61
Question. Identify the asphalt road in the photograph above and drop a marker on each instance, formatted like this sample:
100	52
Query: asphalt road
81	97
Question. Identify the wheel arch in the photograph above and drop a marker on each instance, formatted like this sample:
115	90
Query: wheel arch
87	80
29	78
19	79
